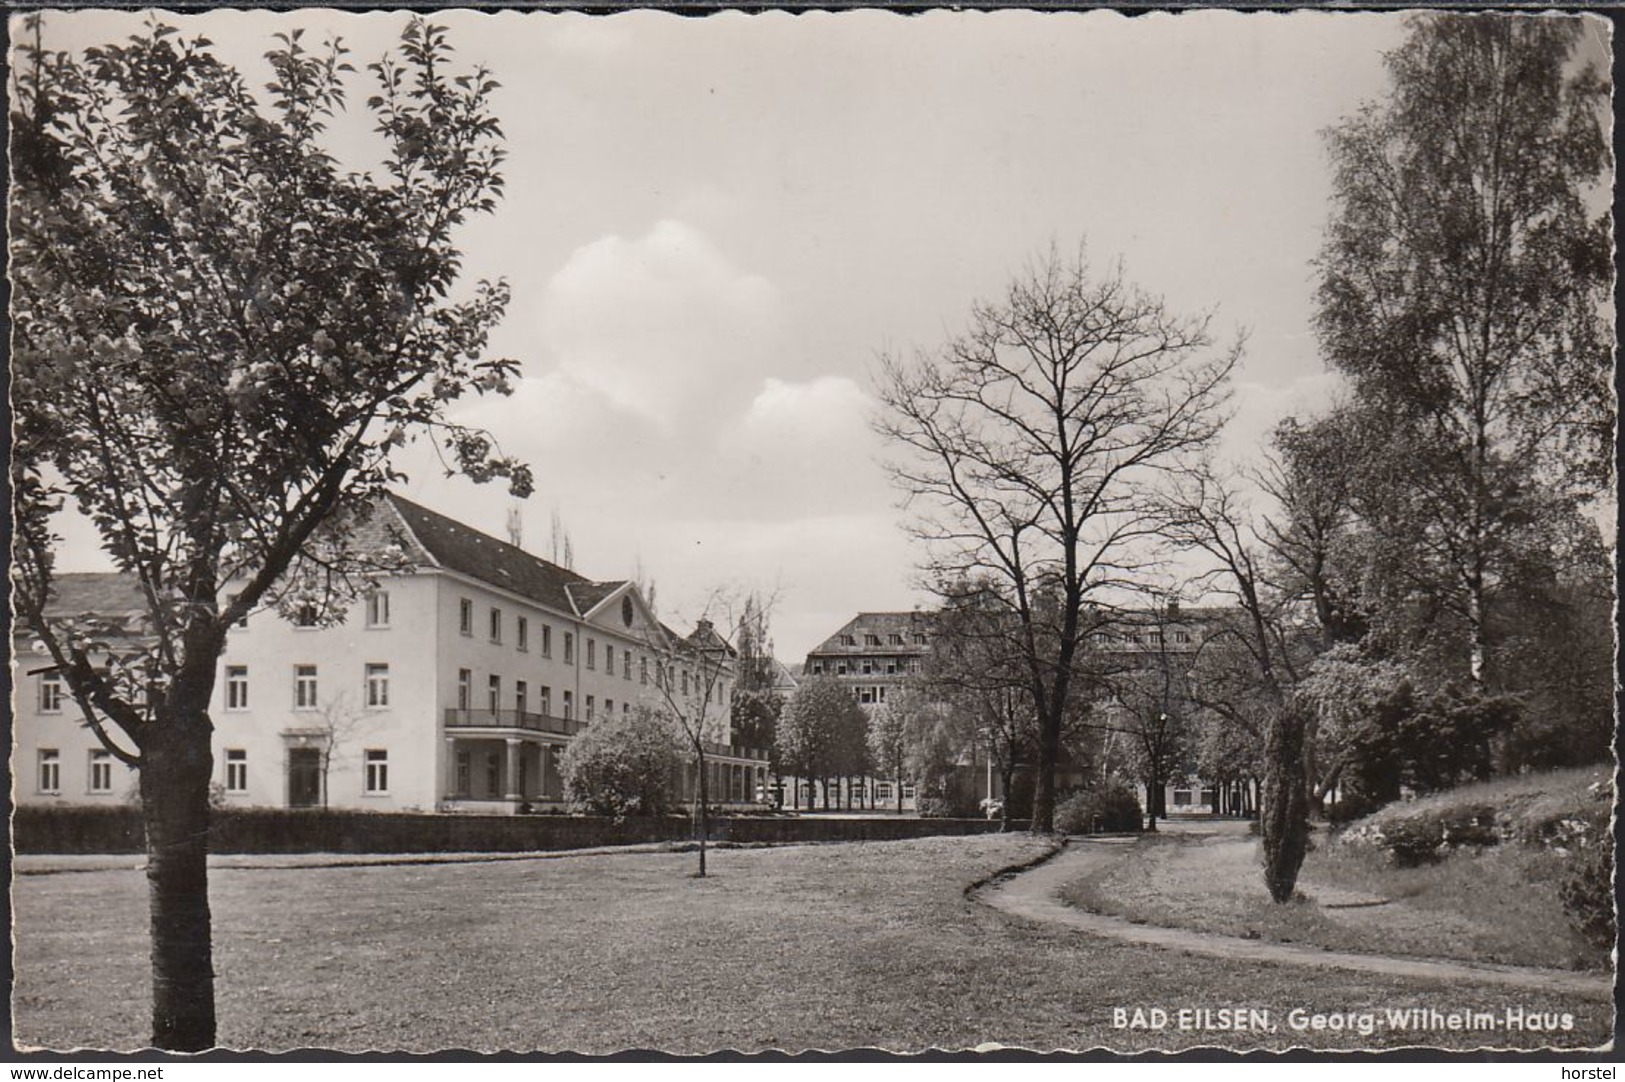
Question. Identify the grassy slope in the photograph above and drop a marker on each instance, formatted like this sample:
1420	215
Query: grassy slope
838	946
1498	907
1495	905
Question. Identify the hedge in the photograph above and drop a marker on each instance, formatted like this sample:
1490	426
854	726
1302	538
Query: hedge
61	830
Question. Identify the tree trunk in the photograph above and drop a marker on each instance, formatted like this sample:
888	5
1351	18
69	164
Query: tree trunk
705	811
174	783
1285	819
1049	750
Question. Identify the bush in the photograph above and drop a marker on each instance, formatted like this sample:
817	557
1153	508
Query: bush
1587	890
1111	807
622	766
935	807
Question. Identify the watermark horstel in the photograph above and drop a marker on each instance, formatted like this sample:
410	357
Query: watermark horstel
1365	1023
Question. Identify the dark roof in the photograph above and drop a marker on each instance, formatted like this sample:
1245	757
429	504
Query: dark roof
445	542
876	623
104	593
587	595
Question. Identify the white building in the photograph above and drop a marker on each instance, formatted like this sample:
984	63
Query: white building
456	686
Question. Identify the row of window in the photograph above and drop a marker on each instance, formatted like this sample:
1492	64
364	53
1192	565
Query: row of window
894	638
100	774
521	698
494	626
375	605
890	666
1141	638
375	686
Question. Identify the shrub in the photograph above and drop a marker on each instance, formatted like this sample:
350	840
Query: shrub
935	807
622	766
1587	890
1110	807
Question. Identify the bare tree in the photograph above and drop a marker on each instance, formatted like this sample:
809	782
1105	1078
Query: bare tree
337	724
1030	446
693	677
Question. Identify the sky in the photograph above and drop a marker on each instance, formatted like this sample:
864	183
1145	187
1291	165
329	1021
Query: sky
714	227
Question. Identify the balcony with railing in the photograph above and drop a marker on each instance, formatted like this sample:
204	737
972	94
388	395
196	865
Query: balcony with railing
513	719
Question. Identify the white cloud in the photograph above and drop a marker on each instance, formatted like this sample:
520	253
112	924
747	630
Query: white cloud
664	326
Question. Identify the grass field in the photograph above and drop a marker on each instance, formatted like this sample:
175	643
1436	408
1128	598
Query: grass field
831	947
1499	905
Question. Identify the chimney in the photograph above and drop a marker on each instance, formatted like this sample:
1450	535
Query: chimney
1173	608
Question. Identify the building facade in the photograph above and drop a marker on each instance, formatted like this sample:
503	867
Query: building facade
455	686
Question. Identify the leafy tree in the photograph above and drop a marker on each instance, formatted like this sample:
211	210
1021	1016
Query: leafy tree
817	720
1463	282
219	337
1031	445
888	743
623	765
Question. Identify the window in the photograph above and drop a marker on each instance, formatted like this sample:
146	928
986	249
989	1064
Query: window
891	666
685	681
626	664
848	640
868	667
496	625
840	668
377	684
569	706
592	653
547	640
521	696
894	639
305	615
378	608
1181	635
242	621
236	770
918	638
871	640
882	790
1182	798
626	708
521	633
465	773
609	659
643	669
589	707
236	687
1155	638
908	791
609	708
465	616
569	648
546	700
304	687
50	770
866	695
465	688
377	770
50	693
493	693
818	668
101	771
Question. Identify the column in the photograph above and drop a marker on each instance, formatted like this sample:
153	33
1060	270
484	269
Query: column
513	769
451	766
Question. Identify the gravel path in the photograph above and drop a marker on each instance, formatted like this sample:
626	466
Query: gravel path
1035	895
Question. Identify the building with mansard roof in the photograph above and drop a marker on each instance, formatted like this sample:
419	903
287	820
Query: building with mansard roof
454	685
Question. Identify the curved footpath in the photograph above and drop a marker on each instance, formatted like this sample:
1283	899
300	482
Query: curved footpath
1035	895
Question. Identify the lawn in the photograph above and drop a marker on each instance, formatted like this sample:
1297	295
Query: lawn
1499	905
828	946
